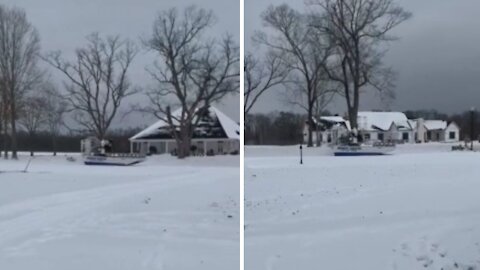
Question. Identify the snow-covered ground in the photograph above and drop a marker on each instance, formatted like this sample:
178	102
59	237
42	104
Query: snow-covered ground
416	209
161	214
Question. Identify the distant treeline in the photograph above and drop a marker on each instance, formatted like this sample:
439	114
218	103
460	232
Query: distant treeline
286	128
276	128
42	142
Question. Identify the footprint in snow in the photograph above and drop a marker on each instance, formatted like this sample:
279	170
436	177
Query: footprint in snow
425	254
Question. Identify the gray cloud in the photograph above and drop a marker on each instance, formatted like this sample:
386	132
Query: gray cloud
64	24
436	57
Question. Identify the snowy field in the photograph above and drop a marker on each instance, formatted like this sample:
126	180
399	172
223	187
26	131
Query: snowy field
161	214
416	209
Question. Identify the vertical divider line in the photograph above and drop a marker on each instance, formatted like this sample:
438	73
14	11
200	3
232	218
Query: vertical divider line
242	137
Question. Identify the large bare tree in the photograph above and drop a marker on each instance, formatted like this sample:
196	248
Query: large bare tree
32	116
357	30
19	52
55	109
261	76
97	80
302	50
191	72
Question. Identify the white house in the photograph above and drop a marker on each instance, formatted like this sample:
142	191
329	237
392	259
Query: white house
215	133
436	131
385	127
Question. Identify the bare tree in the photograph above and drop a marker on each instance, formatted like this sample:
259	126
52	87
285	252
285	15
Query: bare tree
192	72
261	76
4	116
55	109
97	80
302	50
19	51
33	116
299	98
357	29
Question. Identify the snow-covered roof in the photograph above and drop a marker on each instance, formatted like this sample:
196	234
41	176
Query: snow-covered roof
382	120
435	124
157	125
229	128
338	120
334	119
413	123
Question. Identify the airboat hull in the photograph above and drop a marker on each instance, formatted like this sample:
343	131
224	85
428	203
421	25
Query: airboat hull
113	160
360	150
354	154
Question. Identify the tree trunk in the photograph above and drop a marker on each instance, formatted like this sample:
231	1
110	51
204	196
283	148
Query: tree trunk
5	139
54	145
1	126
184	143
318	138
353	112
101	135
14	140
32	138
5	126
310	127
181	148
352	117
356	102
184	149
14	127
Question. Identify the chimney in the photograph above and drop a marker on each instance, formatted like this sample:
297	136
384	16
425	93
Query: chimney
421	131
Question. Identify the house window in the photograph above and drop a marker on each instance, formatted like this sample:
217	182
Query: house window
380	137
451	135
405	136
366	136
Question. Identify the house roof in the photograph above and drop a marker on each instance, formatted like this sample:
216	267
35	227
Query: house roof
334	119
413	123
231	128
338	120
382	120
213	125
331	121
435	124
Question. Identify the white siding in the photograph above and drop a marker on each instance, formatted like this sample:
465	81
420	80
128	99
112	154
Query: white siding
452	128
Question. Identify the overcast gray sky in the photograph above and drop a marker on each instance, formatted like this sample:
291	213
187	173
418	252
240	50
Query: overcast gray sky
64	24
437	57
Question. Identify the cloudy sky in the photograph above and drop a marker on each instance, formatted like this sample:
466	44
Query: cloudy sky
64	24
437	57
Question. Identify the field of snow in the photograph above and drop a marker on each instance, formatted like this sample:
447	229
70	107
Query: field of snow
161	214
416	209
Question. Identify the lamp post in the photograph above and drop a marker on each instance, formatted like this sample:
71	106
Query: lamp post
301	154
472	126
301	149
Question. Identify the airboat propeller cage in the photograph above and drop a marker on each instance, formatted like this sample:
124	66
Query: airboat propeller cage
89	145
93	145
